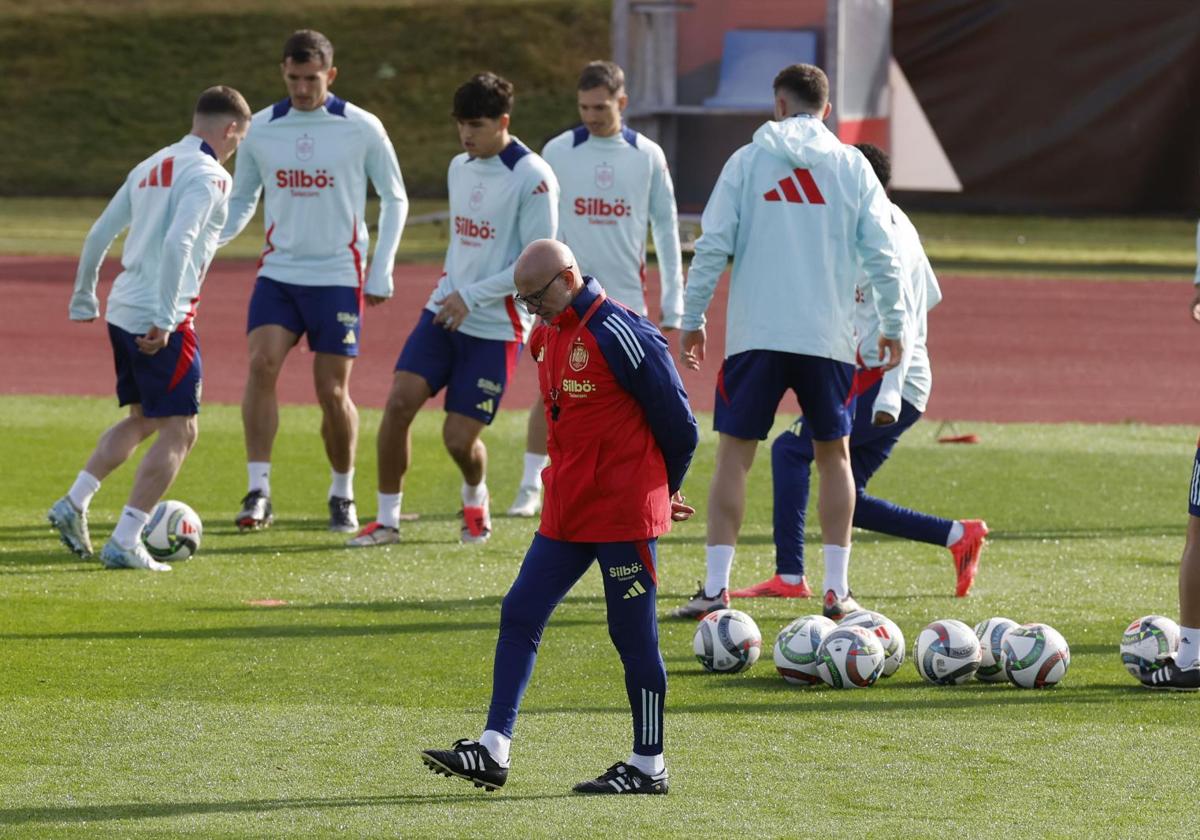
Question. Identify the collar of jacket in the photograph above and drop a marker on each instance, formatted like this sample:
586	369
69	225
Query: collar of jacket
579	306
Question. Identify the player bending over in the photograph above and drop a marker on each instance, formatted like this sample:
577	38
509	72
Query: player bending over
888	404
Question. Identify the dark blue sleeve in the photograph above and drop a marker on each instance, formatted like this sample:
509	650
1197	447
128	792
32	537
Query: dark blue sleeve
640	359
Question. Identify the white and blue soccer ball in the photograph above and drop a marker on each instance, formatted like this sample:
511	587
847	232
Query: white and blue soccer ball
796	648
1146	642
727	641
1035	656
886	631
990	633
850	657
173	532
947	652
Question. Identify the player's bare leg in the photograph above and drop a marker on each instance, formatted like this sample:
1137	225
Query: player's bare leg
119	442
1189	576
461	434
529	494
268	348
163	460
726	508
835	505
339	431
1182	672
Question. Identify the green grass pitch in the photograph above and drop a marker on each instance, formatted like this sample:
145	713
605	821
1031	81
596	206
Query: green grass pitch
142	705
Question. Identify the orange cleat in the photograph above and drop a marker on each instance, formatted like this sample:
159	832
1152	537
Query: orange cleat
774	588
966	554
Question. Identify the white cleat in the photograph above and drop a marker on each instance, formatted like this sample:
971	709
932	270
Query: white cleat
528	502
114	556
374	534
72	527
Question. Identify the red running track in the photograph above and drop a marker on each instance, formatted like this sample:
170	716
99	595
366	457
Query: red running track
1003	349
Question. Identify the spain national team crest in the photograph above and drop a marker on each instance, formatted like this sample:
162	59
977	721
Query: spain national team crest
477	194
605	176
579	357
305	147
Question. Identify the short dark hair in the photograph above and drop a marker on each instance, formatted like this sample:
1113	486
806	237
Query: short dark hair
222	100
484	95
806	82
306	45
605	74
879	160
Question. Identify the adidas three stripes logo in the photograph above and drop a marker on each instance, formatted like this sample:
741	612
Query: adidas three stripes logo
787	189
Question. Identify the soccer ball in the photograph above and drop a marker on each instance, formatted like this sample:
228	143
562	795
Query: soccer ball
1146	642
173	532
850	657
1035	655
947	652
889	636
727	641
991	633
796	648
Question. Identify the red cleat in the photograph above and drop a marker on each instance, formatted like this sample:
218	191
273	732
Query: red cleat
966	554
774	588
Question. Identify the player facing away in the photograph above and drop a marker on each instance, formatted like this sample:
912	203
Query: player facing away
174	204
614	183
468	337
622	436
1182	672
887	405
799	212
310	155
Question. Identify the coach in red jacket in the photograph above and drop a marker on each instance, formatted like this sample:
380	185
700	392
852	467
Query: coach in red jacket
621	437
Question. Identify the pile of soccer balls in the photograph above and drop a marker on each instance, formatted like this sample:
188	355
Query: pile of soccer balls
866	646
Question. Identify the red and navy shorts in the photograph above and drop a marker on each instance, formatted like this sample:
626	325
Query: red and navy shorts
166	384
751	384
474	371
331	316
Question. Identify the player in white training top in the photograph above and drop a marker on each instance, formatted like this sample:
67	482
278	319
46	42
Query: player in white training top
502	197
614	183
174	204
311	156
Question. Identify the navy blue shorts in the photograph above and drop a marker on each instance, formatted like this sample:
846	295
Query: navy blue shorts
751	384
474	371
331	316
166	384
1194	492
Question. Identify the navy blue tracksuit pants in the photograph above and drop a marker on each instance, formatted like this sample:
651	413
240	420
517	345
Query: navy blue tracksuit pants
550	569
870	446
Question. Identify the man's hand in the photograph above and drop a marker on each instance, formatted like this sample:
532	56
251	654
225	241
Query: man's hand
890	351
679	510
84	320
452	312
692	348
882	418
1196	306
153	341
374	300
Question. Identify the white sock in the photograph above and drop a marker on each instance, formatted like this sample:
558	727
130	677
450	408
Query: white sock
476	496
718	559
837	569
83	489
129	527
651	765
535	462
260	476
389	509
342	485
1189	648
497	744
792	579
956	533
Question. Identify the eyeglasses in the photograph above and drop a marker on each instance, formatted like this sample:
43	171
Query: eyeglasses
533	301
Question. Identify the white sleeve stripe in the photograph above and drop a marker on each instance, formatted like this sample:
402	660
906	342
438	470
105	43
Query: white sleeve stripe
628	340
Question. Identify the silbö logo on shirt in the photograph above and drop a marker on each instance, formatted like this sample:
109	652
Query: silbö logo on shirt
303	182
469	229
600	208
